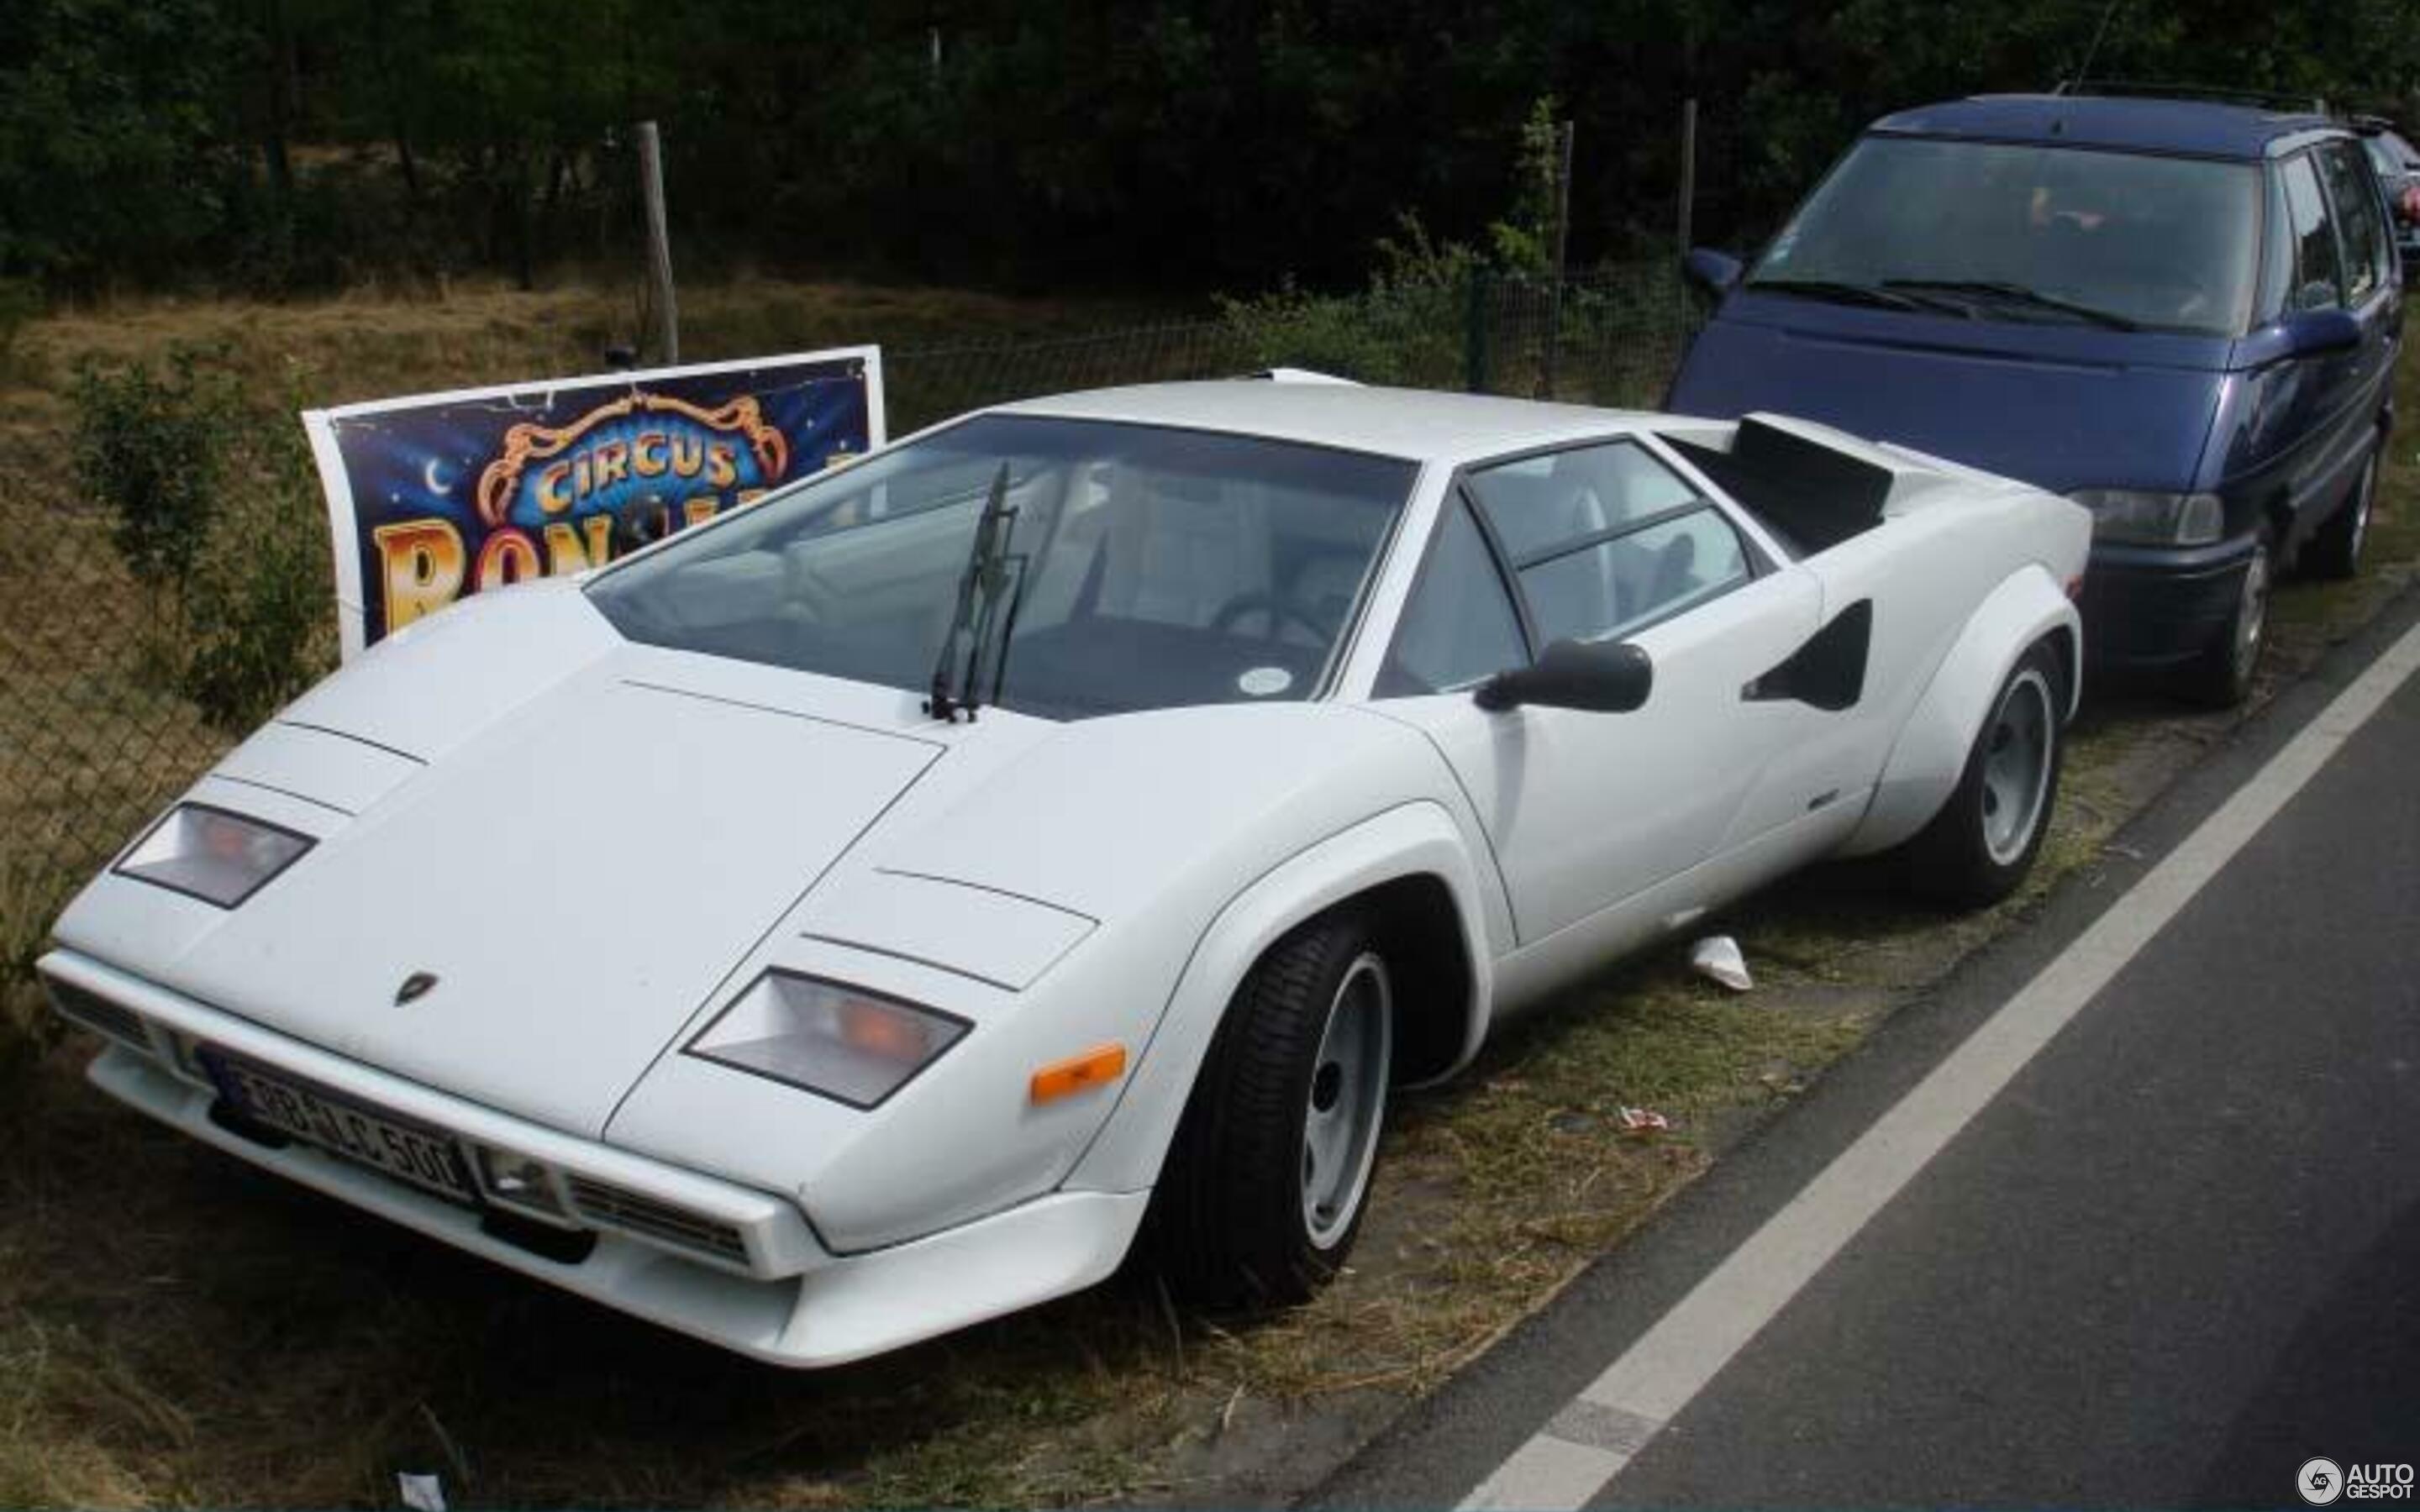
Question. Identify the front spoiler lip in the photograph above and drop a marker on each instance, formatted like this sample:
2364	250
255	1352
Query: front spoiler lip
797	1305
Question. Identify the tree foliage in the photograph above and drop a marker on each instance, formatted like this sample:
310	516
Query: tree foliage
288	143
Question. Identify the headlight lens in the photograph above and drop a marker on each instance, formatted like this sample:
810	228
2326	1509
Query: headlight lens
212	855
855	1046
2144	517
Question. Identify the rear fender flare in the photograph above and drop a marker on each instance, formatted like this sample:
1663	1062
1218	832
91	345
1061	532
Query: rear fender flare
1930	752
1411	839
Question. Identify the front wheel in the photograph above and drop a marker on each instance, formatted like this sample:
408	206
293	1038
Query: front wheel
1984	839
1269	1175
2222	678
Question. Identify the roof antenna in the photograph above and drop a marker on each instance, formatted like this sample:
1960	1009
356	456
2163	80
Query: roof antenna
2083	74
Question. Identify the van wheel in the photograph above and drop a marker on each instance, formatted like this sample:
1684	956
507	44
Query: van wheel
1984	839
2335	550
2222	678
1269	1174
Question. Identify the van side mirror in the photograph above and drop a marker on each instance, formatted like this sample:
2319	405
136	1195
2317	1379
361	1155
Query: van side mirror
1596	676
1713	272
2321	332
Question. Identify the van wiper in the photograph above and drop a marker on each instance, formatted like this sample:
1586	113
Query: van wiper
1836	291
985	615
2015	294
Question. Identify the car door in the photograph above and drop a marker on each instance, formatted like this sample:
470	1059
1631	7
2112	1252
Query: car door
2374	295
1598	541
2299	407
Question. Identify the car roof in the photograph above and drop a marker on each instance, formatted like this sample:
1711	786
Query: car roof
2198	127
1420	424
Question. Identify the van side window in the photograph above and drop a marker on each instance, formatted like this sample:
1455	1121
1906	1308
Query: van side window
2318	280
2353	195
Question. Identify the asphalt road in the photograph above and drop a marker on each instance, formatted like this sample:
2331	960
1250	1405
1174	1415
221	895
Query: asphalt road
2174	1255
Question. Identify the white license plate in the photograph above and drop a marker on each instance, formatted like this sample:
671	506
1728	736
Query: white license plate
341	1127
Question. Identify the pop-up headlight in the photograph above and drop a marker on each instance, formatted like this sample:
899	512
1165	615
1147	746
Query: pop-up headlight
212	855
851	1045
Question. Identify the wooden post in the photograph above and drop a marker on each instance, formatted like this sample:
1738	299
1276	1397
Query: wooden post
659	246
1563	245
1688	168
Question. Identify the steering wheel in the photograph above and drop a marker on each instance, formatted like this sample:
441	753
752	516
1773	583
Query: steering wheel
1279	608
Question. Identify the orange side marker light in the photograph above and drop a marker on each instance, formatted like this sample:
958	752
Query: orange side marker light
1097	1066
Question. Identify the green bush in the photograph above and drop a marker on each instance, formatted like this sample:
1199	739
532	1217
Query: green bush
257	617
216	512
1405	328
153	449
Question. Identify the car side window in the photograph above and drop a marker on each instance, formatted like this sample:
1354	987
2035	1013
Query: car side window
2353	194
1459	626
1604	539
2319	279
1539	501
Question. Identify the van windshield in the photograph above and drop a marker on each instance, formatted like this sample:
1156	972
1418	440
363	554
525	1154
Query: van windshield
1994	231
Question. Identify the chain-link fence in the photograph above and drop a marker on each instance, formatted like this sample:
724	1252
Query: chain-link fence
95	738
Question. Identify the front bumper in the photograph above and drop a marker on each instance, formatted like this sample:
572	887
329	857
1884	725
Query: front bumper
2152	607
781	1297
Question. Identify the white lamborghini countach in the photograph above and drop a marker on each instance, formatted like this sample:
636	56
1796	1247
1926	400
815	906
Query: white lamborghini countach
890	905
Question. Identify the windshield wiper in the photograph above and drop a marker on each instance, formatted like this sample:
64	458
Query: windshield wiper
985	615
2015	294
1836	291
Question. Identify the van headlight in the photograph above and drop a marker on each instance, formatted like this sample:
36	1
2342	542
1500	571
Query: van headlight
2144	517
854	1046
212	855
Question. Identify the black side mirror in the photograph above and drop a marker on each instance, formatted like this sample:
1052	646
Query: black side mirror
1598	676
2321	332
1711	271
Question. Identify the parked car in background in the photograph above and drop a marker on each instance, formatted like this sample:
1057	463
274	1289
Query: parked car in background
2183	314
2397	163
870	909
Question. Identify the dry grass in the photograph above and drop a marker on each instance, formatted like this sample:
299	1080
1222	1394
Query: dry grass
174	1329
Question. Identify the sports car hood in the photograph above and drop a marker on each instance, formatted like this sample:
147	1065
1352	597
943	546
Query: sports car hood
581	866
2060	407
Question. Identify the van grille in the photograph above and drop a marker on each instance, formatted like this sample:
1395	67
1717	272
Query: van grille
617	1207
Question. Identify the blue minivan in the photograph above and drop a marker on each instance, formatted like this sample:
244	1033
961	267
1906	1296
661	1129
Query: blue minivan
2180	314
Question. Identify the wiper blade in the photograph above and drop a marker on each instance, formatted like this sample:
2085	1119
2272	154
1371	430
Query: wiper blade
1837	291
2016	294
987	613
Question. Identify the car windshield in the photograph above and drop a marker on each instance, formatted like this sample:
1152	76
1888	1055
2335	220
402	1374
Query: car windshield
1993	231
1152	566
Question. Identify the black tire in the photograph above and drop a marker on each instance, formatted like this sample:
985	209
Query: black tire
2222	676
1233	1221
2335	550
1984	839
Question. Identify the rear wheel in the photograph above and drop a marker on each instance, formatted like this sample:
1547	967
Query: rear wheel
1984	839
2223	675
2336	551
1269	1175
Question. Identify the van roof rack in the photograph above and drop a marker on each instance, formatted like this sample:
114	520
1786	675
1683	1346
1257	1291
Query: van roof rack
2216	94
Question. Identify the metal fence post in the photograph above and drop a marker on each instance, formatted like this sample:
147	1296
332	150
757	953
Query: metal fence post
1562	243
1688	169
1474	333
660	249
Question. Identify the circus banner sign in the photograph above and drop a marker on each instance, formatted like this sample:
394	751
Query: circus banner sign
435	497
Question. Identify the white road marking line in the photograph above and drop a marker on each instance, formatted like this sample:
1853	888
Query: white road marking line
1672	1361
